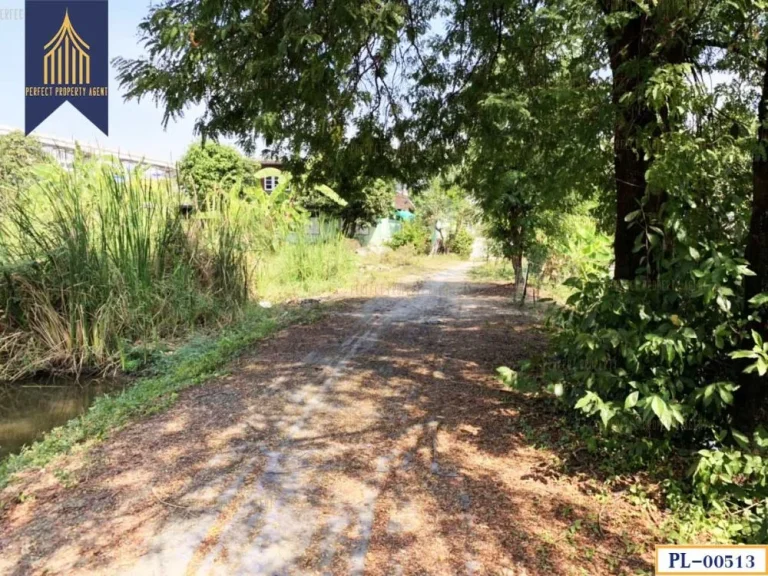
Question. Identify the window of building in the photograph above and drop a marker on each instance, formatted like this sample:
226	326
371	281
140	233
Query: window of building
270	183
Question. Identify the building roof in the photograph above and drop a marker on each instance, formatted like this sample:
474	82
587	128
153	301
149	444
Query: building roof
403	201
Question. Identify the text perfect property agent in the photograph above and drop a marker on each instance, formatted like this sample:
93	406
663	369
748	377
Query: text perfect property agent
66	91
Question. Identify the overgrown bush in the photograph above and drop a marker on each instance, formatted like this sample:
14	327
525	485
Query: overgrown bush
306	264
658	363
412	233
403	256
460	243
575	247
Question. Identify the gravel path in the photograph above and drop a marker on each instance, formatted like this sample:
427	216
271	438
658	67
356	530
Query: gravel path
374	442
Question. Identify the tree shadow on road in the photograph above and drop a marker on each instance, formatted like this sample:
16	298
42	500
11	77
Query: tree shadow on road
417	432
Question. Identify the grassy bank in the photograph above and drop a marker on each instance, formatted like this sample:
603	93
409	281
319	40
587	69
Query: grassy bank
200	359
494	270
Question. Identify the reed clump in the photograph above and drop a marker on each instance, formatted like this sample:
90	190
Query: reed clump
97	260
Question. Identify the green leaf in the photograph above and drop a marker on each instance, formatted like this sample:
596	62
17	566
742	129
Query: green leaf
573	299
689	333
631	400
606	413
725	304
585	401
329	193
267	172
740	438
725	393
632	215
507	375
670	353
760	299
743	354
761	437
662	411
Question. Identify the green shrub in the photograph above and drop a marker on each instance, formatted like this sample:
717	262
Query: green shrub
460	243
206	170
411	233
658	365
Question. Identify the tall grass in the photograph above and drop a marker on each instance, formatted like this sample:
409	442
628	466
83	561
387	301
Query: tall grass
307	263
97	260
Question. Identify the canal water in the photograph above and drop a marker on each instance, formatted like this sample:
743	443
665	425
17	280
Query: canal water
29	409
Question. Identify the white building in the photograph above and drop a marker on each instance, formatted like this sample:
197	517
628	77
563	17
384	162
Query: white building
64	153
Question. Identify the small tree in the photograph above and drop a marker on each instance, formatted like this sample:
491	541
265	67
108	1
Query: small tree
368	205
213	167
448	204
460	243
18	155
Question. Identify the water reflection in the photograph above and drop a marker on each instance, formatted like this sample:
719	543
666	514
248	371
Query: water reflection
29	409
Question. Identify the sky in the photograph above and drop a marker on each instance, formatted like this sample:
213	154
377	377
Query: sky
133	127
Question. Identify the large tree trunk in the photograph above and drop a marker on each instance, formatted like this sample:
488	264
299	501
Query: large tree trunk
757	243
752	396
626	45
636	48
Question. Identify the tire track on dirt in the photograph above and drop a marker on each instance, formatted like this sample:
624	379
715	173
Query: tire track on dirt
266	520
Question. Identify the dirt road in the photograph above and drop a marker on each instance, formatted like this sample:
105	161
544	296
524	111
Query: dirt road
374	442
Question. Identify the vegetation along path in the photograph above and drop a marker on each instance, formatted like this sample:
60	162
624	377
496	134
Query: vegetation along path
376	441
